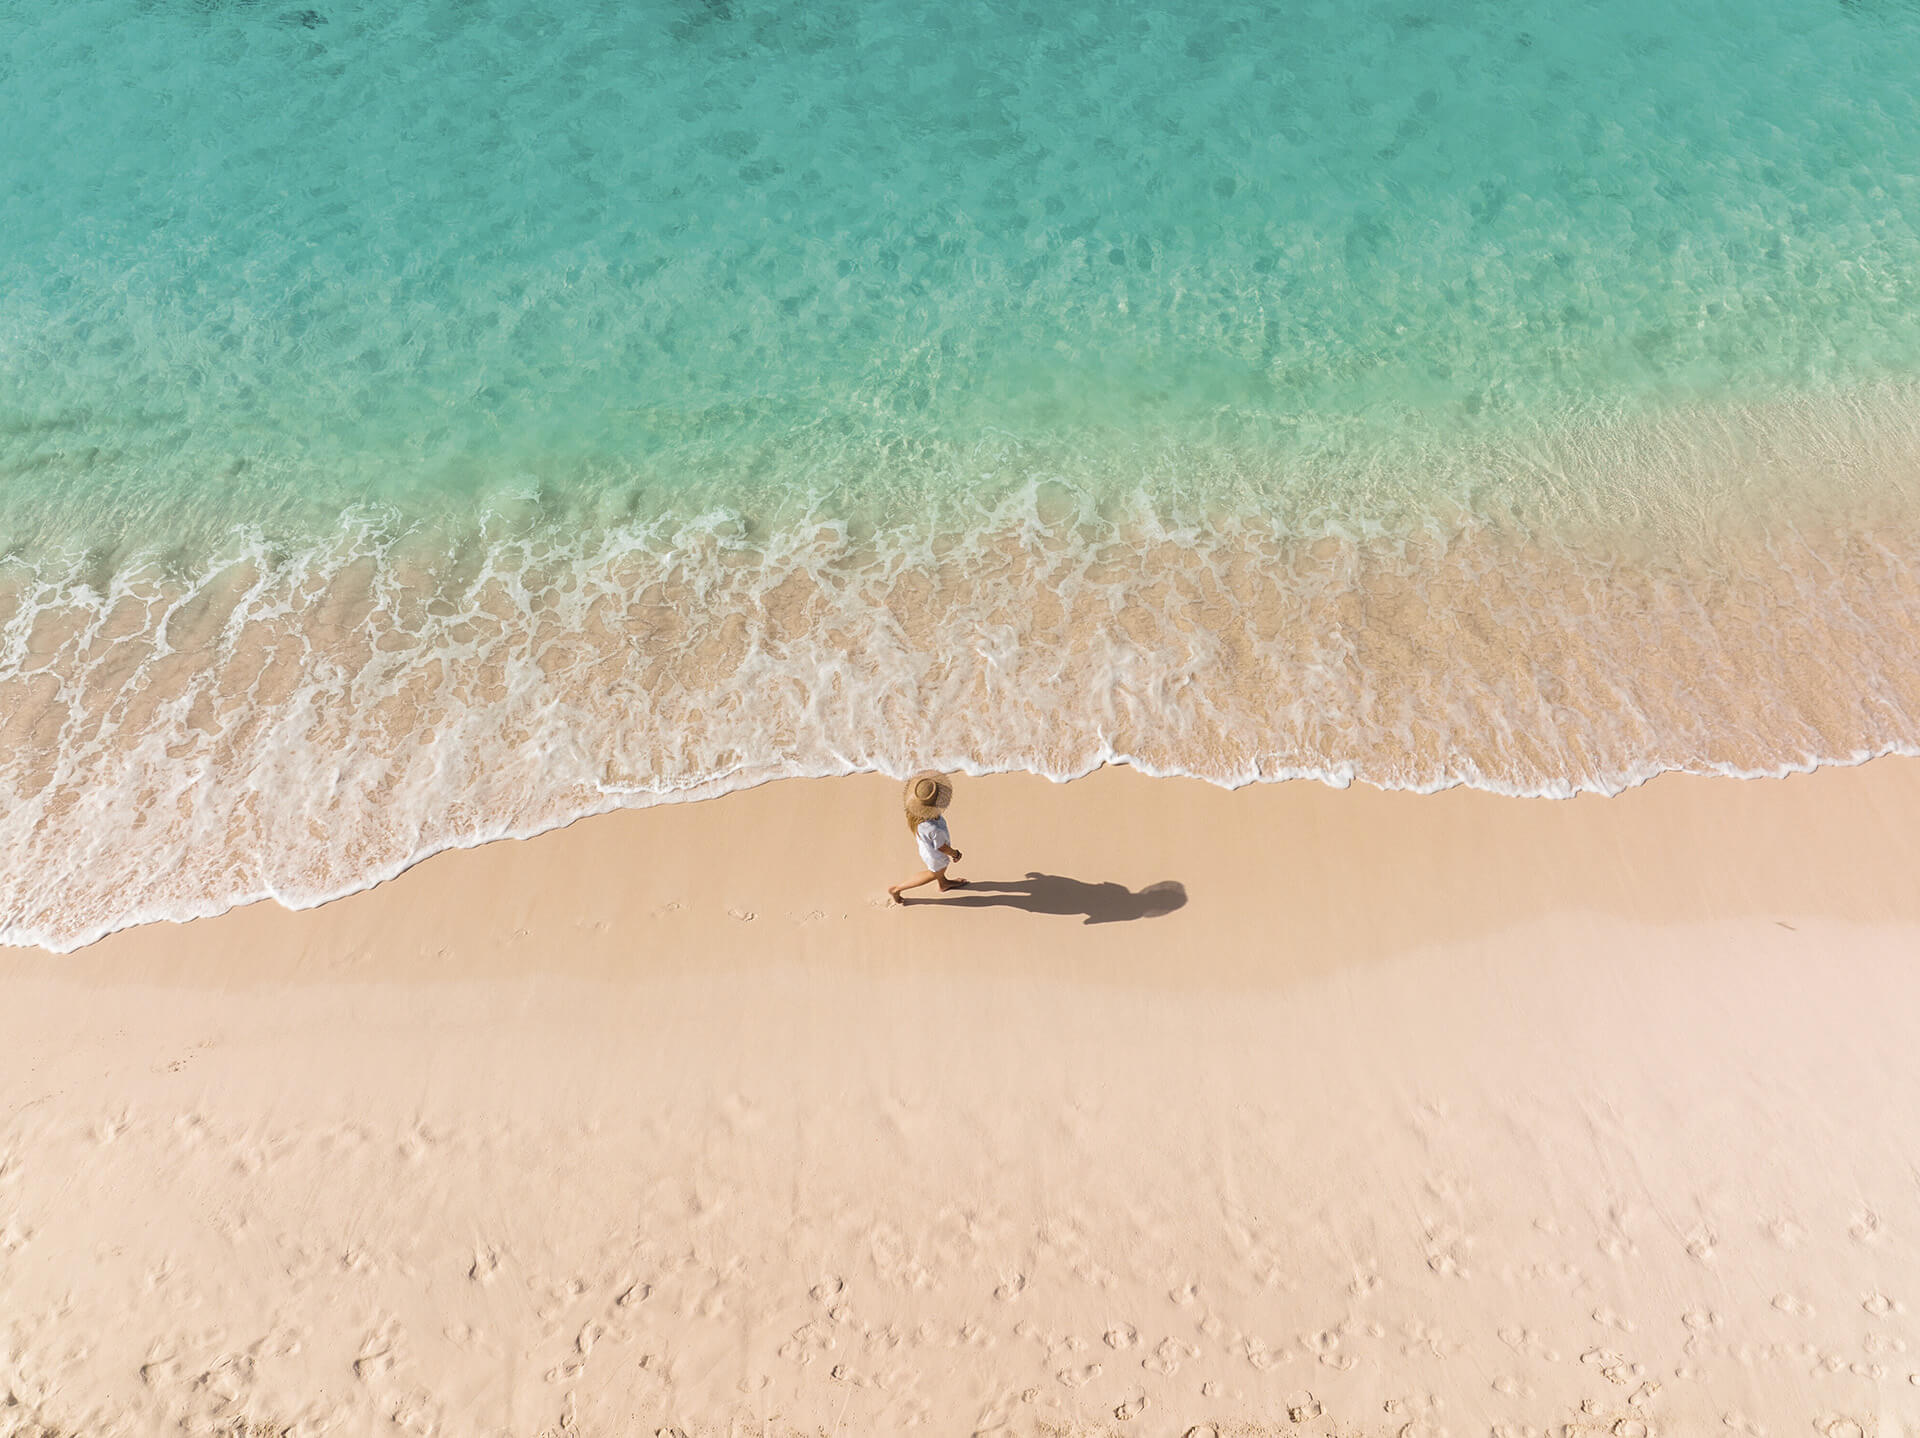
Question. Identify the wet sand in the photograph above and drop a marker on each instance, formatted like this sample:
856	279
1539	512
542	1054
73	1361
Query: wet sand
1281	1110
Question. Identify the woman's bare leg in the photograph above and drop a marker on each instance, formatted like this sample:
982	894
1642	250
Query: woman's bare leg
925	876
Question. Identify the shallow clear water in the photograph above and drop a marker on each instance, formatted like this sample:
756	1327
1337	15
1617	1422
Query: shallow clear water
262	260
798	325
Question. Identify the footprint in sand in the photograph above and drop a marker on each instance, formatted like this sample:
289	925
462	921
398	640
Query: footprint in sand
1123	1335
1612	1366
373	1361
633	1293
1167	1357
745	916
1131	1407
1879	1305
486	1263
1446	1249
1303	1406
1866	1227
1012	1288
1785	1232
742	1115
1794	1307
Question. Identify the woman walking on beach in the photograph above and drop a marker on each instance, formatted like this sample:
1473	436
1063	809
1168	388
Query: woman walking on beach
928	794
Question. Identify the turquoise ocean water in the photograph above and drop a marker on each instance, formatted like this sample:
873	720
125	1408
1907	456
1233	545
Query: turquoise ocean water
424	423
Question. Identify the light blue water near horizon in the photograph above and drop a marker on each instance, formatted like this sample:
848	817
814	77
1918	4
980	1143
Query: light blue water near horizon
262	260
730	339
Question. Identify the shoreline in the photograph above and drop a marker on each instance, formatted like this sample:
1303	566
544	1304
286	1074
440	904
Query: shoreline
1465	814
300	721
1444	1110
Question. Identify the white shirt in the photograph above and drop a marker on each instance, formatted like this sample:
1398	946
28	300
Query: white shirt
932	836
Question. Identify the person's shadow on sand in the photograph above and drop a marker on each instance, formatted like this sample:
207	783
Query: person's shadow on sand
1055	894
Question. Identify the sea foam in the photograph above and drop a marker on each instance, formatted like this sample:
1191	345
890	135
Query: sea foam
295	722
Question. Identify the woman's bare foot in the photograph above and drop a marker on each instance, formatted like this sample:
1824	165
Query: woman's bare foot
946	883
893	897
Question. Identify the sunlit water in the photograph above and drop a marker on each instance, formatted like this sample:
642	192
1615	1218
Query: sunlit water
424	423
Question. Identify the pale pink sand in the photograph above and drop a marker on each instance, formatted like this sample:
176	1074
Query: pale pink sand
1423	1114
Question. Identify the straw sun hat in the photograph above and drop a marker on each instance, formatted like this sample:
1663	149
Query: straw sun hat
928	792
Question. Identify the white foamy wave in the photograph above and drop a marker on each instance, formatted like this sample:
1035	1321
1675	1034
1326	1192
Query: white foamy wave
299	724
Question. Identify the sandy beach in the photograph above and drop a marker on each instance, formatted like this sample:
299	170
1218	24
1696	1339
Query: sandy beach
1284	1110
1408	517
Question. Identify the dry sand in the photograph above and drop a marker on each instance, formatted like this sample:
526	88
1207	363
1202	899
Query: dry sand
1418	1115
